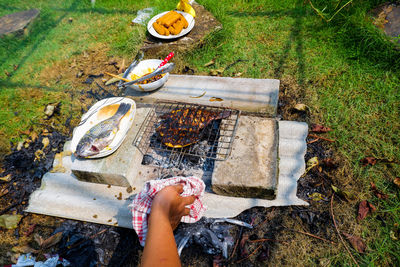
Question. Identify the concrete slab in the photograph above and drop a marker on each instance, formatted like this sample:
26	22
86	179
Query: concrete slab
248	95
120	168
62	195
17	22
251	169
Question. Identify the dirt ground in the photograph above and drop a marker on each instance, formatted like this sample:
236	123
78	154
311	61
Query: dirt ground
278	236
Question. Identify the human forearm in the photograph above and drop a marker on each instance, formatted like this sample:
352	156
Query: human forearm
160	249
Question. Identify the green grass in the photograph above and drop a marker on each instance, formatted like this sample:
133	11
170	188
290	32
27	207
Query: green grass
346	71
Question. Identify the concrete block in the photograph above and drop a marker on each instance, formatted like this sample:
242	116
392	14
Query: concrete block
251	169
120	168
248	95
17	22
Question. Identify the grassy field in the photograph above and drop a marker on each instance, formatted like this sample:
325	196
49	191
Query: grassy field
345	71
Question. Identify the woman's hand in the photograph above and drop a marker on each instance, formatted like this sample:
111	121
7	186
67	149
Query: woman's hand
167	209
170	203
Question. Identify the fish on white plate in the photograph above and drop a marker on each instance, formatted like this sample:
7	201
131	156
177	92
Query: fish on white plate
102	134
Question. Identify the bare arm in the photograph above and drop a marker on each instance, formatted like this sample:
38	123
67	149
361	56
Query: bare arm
166	211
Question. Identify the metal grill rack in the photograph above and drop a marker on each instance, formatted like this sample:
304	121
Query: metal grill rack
215	139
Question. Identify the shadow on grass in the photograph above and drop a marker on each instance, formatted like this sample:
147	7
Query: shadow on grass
40	30
11	85
38	34
295	37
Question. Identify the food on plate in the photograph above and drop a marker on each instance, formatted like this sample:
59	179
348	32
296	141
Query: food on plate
102	134
183	127
160	29
150	80
171	23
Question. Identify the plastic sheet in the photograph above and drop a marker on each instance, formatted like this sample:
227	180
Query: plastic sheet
143	15
212	235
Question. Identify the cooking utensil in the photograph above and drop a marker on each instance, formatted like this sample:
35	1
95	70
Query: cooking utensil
116	76
154	73
168	58
139	56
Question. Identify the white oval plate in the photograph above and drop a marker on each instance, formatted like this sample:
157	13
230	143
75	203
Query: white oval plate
97	113
153	32
143	68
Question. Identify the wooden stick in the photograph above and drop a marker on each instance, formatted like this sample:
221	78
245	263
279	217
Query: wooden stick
237	243
320	137
305	233
267	239
116	76
341	238
313	141
254	251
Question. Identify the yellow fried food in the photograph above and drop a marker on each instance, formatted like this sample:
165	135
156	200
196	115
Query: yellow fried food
160	29
171	23
185	23
171	19
177	27
161	20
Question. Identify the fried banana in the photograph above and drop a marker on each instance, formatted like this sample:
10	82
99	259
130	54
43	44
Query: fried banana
160	29
185	23
177	27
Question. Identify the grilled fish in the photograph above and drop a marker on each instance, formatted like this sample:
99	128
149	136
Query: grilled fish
182	127
102	134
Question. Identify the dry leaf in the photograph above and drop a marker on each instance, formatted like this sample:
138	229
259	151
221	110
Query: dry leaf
311	163
10	221
328	163
212	99
6	178
378	193
368	161
199	95
4	192
396	181
52	240
364	209
357	243
38	239
212	62
346	195
45	142
316	128
317	196
34	136
301	107
24	249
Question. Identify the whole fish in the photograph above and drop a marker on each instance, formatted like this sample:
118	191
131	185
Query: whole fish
102	134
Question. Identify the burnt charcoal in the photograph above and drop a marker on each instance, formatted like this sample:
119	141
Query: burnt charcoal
187	69
77	249
26	170
316	221
264	254
96	75
147	160
88	81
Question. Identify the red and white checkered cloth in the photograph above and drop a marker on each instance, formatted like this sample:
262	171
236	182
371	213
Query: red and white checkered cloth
141	205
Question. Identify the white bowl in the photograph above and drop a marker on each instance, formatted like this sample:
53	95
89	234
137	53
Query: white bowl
144	67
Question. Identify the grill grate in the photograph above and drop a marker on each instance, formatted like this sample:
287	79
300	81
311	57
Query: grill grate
215	142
